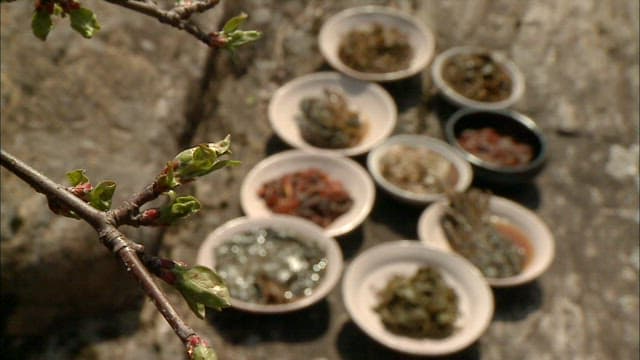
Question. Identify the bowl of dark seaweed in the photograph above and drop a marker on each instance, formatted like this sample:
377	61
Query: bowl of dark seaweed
331	112
418	169
507	242
417	300
479	78
503	146
273	264
376	43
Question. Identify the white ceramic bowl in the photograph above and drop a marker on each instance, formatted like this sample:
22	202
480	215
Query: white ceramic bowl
518	83
540	238
373	103
369	272
336	27
464	170
353	177
307	230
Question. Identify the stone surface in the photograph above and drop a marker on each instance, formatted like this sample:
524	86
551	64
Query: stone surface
580	60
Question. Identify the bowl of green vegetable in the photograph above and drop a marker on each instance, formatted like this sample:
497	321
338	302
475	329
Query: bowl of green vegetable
384	291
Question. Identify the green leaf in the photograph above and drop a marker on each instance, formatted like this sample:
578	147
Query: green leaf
41	24
84	21
202	352
202	159
234	23
239	38
178	208
201	287
100	196
77	177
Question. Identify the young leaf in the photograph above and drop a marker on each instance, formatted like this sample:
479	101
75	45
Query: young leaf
77	177
178	208
202	159
100	196
234	23
84	21
239	38
41	24
201	287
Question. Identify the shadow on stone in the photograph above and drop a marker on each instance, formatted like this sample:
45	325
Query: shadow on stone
400	217
351	243
354	344
526	194
516	303
68	337
238	327
275	145
407	93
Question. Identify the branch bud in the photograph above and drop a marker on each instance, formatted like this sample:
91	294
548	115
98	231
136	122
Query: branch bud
198	349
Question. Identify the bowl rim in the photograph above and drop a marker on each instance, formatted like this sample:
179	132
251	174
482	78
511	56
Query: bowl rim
357	171
447	151
450	93
374	89
330	55
518	117
311	232
431	237
406	251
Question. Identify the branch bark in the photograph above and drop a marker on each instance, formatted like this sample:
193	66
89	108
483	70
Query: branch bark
105	225
177	16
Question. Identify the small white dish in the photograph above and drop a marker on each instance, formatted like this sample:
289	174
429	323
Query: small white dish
430	233
517	79
373	103
336	27
307	230
371	270
448	152
355	180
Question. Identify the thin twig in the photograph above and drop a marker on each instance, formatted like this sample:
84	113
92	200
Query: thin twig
177	16
104	223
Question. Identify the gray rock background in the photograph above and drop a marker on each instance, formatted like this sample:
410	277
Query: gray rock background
124	102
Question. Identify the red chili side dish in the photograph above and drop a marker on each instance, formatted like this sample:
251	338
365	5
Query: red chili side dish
496	148
309	193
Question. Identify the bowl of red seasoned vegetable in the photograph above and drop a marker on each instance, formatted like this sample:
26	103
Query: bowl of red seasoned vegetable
503	146
332	191
478	78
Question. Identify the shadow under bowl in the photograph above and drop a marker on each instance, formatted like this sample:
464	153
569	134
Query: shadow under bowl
506	123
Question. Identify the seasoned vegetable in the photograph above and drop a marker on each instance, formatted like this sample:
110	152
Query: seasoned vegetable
417	169
328	122
478	77
422	306
486	242
377	49
309	193
270	267
496	148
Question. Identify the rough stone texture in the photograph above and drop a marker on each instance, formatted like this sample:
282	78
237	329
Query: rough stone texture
110	106
580	60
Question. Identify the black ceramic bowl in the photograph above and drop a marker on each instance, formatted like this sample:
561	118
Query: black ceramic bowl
517	126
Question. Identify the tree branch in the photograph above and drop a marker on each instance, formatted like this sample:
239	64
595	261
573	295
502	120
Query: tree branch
104	223
177	16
